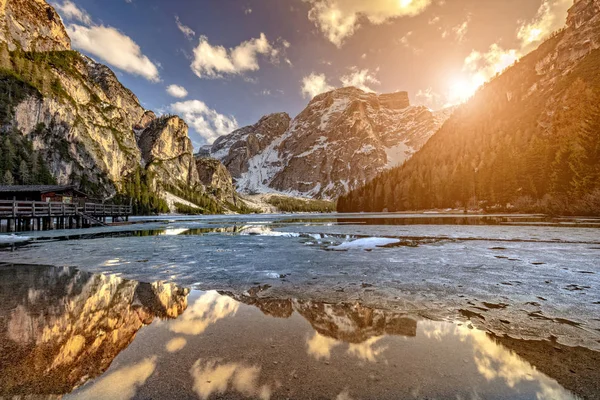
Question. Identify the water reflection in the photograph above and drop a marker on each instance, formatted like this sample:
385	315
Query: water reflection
63	331
60	326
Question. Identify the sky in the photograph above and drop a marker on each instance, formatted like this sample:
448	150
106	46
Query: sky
223	64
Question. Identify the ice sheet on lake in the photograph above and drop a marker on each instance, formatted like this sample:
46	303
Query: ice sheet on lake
548	277
13	239
365	244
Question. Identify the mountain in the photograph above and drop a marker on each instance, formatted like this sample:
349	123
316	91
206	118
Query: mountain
529	140
339	142
79	120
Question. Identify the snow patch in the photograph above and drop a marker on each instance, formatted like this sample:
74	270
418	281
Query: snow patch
365	244
396	155
14	239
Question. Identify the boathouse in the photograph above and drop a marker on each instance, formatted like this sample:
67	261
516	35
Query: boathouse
43	193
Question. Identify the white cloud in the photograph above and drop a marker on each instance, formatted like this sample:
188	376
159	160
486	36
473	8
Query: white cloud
550	17
360	78
177	91
461	30
339	19
186	30
207	122
217	61
315	84
106	43
114	48
70	12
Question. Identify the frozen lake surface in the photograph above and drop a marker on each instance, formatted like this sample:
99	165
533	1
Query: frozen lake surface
462	297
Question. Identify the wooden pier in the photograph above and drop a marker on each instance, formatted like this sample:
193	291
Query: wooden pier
21	216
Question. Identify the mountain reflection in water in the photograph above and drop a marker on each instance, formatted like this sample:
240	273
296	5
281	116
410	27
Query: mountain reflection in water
67	332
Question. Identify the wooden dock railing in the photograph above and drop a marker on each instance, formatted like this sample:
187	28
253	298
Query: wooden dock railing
37	215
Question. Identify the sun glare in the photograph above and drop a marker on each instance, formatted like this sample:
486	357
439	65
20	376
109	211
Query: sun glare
462	89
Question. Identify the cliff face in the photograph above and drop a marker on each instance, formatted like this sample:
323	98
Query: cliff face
167	151
32	25
216	178
85	128
340	141
89	127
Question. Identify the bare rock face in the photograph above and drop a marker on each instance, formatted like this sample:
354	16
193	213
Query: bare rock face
168	152
88	129
216	178
339	142
32	25
88	126
236	149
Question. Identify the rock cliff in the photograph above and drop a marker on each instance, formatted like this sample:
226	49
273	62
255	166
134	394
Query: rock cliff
32	25
339	142
167	151
90	128
216	178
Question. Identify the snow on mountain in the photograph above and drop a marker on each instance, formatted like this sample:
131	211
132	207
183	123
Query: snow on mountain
340	141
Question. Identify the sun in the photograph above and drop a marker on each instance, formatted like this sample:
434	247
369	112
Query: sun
462	89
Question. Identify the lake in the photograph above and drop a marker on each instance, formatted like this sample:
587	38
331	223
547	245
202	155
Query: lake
364	306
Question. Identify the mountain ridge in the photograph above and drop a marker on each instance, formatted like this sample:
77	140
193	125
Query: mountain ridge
341	140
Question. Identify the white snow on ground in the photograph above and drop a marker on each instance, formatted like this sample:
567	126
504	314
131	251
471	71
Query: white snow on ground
171	199
365	244
339	105
262	230
13	239
396	155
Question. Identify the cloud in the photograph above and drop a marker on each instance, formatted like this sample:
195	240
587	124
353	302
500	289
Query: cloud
315	84
70	12
550	17
121	384
208	123
176	344
177	91
461	30
339	19
216	377
217	61
106	43
360	78
114	48
186	30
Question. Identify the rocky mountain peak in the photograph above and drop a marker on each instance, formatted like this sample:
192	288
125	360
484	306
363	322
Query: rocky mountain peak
168	151
32	25
339	141
215	177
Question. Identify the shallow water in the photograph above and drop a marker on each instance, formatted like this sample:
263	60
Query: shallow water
364	306
93	336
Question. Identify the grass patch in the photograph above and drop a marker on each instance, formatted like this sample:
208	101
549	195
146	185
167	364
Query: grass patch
290	204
